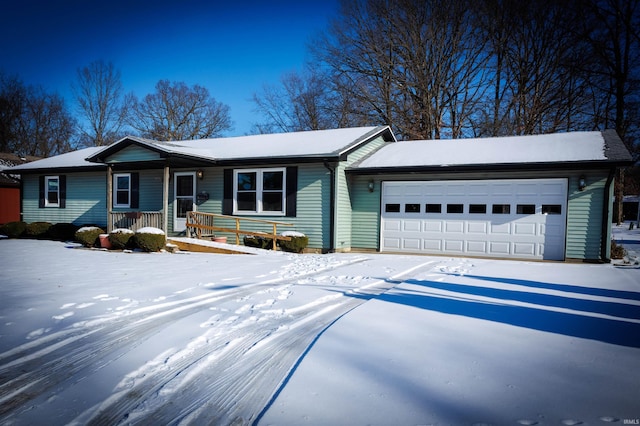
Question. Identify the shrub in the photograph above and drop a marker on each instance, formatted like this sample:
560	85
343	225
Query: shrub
150	239
297	243
121	238
13	229
37	230
258	242
617	251
88	235
62	231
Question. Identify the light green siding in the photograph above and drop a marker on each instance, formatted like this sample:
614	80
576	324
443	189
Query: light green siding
133	153
85	201
584	217
365	232
345	192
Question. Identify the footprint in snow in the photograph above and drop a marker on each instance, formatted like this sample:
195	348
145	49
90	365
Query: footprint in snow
67	305
609	419
571	422
63	316
85	305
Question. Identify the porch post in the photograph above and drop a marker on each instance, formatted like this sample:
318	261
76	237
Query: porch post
165	200
109	196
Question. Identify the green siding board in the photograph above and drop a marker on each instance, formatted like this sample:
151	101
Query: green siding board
133	153
85	202
584	216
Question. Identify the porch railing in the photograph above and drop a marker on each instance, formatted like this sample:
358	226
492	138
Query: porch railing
197	222
135	220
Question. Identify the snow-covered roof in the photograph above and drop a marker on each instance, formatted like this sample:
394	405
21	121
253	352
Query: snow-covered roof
309	144
74	159
536	149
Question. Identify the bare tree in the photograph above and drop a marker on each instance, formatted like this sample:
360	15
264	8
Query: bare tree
178	112
32	121
98	91
303	101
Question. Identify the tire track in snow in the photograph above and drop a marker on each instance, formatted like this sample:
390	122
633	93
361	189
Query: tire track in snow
36	367
233	376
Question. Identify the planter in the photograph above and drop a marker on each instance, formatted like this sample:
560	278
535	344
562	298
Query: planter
219	239
104	241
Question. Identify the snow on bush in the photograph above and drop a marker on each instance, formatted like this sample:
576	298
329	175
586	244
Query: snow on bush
297	244
150	239
120	238
87	235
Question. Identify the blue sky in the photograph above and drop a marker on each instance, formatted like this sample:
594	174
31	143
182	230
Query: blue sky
231	48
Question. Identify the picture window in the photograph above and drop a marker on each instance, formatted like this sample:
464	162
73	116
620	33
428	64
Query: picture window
260	191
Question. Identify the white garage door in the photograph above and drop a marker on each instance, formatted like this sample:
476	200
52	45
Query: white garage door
520	218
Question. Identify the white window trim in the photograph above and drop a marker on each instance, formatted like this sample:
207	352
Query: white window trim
259	191
115	191
47	203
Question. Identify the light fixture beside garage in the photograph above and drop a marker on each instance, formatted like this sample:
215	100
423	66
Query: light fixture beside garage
370	186
582	183
200	174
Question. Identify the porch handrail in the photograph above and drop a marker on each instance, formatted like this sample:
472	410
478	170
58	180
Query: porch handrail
199	221
134	220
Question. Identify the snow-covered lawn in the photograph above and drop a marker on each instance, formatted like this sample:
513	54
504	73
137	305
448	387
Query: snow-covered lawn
89	336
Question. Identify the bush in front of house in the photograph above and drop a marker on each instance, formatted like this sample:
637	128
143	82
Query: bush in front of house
297	244
617	251
37	230
13	229
88	235
62	231
121	238
258	242
149	239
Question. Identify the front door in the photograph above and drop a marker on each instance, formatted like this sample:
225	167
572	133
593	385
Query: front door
184	188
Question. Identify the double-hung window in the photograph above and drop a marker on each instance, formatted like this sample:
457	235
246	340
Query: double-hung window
52	191
259	191
122	190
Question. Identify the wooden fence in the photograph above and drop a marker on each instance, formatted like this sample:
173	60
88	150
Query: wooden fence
197	222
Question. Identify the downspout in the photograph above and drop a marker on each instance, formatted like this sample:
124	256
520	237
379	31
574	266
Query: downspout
604	243
332	205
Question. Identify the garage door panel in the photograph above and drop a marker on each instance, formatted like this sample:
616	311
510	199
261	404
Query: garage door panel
411	225
476	247
501	228
501	218
454	246
432	245
453	227
523	228
524	249
477	227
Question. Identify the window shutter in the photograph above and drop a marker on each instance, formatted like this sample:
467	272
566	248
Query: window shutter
227	196
292	191
135	190
62	182
41	192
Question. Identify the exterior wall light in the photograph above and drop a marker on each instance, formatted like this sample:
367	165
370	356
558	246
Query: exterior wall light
200	174
370	186
582	183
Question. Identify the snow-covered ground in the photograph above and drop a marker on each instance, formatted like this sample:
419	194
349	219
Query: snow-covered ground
95	337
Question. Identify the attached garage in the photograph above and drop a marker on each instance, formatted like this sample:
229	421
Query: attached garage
546	197
523	218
